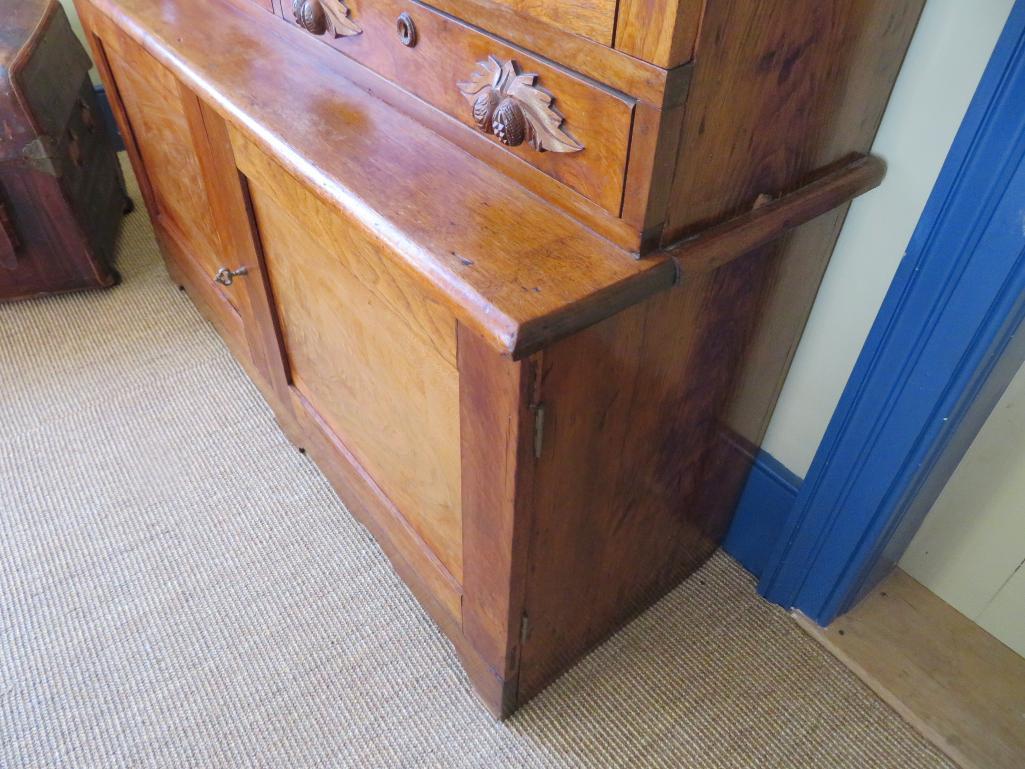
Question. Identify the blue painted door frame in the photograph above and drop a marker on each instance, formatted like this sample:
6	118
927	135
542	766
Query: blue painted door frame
944	346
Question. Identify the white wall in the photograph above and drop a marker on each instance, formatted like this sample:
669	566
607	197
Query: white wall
971	548
69	6
76	25
944	64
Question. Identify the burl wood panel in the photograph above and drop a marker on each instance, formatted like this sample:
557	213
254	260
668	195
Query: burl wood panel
373	356
152	101
431	582
447	52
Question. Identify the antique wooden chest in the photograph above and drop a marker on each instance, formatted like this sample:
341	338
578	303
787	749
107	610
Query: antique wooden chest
524	278
61	191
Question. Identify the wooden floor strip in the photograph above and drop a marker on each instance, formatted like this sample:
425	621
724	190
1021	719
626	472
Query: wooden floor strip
959	686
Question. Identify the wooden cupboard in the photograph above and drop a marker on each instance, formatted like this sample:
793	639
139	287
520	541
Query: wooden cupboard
523	279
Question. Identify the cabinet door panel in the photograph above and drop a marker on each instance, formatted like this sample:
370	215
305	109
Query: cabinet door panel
370	354
152	100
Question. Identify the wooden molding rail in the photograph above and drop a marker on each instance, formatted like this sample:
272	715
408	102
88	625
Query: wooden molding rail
721	244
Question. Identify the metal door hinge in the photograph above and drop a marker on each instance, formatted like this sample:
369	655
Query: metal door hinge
539	428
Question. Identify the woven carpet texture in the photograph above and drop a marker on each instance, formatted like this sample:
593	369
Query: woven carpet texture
179	587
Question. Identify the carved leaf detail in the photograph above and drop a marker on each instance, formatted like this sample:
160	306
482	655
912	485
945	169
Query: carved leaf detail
338	12
543	128
486	75
543	122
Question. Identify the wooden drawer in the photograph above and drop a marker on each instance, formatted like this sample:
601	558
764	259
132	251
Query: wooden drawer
595	19
448	52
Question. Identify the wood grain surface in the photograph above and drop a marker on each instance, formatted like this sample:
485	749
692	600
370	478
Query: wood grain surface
663	32
518	272
620	71
499	402
447	53
595	19
781	88
369	353
153	104
955	683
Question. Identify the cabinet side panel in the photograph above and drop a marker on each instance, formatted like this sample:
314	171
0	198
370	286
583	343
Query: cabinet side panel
782	88
611	529
652	421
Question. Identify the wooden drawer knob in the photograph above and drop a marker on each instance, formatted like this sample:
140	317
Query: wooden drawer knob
320	16
514	109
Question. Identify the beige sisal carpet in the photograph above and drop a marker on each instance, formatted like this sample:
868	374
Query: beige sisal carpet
179	587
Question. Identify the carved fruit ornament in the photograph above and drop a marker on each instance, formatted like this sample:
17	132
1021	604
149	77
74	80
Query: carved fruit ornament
316	16
514	109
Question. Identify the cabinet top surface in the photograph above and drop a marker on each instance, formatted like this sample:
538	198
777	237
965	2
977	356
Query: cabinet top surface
516	270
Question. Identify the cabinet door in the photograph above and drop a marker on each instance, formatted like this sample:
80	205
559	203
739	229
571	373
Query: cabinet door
368	352
154	105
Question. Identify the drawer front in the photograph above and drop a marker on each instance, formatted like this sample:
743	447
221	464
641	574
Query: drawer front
367	351
595	19
447	53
